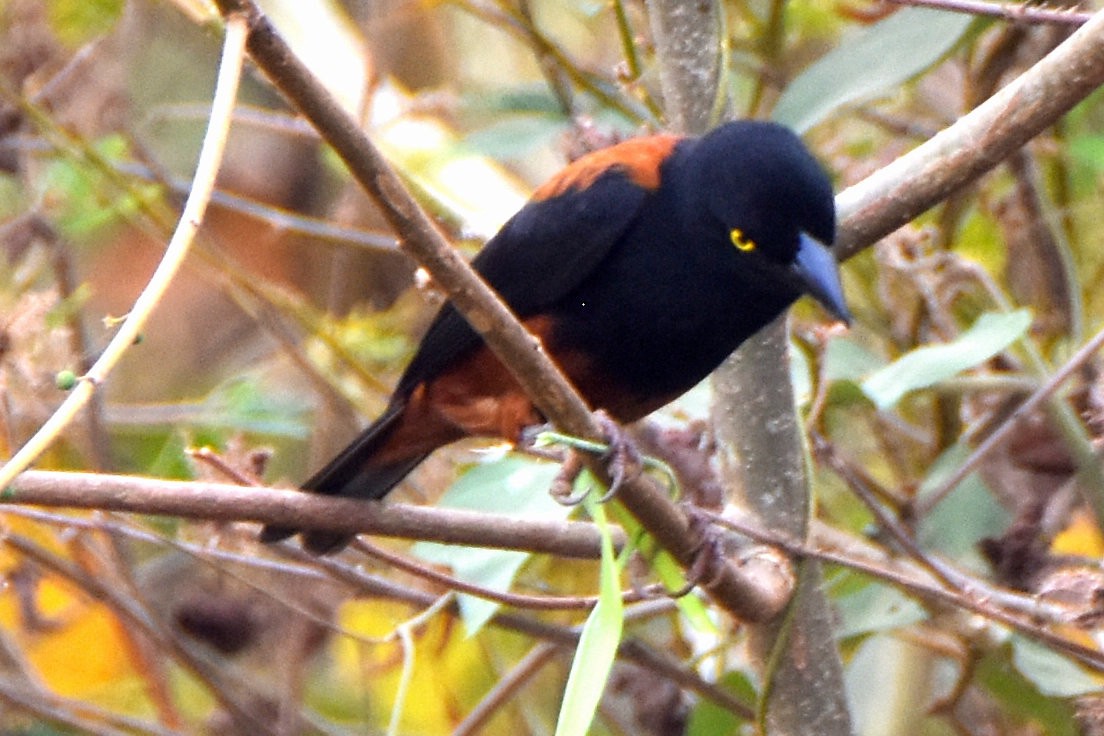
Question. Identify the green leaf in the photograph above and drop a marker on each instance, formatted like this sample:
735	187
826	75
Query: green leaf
1021	699
691	606
710	719
876	608
598	643
928	365
246	404
1050	672
873	64
966	515
78	21
511	485
669	572
82	200
847	360
1088	150
844	364
801	375
521	98
515	136
69	307
494	569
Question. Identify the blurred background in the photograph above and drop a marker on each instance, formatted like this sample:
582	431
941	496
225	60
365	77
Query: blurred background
297	311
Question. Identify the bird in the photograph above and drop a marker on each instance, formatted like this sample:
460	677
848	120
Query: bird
640	267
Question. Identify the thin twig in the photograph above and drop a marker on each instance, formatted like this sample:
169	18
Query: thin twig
404	633
1029	406
1015	12
976	600
508	686
80	344
511	22
210	158
826	453
514	600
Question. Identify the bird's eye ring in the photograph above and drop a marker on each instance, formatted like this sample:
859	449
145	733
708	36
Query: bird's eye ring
741	241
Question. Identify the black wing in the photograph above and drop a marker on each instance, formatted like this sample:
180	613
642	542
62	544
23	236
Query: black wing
539	256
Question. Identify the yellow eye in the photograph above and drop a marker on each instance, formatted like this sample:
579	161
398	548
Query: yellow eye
741	241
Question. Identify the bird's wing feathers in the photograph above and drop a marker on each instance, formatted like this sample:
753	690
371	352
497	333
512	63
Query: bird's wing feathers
543	252
551	245
639	159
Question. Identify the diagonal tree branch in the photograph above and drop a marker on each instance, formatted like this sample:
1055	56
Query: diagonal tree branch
1015	12
976	143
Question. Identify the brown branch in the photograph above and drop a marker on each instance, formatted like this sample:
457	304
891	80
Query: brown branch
520	352
687	38
763	460
224	502
976	143
630	649
1019	612
1015	12
513	600
506	688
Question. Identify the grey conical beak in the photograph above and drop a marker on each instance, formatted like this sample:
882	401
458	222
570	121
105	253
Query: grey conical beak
818	272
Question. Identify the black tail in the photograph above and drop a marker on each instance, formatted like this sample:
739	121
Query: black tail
352	474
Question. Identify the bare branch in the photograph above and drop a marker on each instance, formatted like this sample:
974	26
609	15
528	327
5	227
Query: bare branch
224	502
1015	12
506	689
210	158
976	143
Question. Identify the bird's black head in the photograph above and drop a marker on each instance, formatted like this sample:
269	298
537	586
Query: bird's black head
759	191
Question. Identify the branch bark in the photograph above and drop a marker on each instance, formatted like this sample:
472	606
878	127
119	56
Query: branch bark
224	502
688	45
763	457
976	143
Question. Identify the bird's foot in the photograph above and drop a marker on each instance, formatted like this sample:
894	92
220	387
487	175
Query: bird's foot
707	559
563	485
623	459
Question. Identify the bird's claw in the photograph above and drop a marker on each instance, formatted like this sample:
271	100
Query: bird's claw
706	560
623	459
564	482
